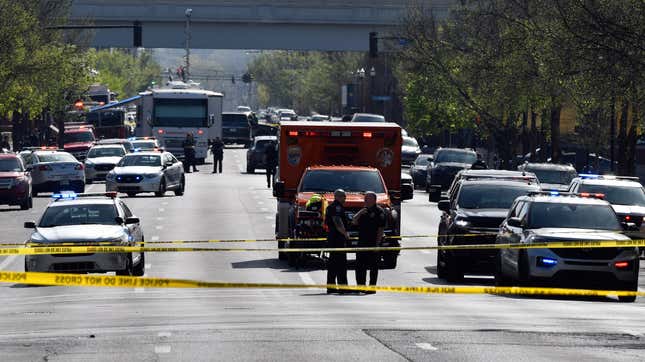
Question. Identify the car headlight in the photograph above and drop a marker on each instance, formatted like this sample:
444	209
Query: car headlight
462	223
151	175
36	238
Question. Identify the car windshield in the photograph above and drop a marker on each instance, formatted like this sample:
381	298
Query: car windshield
262	145
140	160
74	137
368	118
10	165
56	157
350	181
456	156
235	120
576	216
422	160
617	195
103	214
144	145
411	142
490	196
562	177
106	152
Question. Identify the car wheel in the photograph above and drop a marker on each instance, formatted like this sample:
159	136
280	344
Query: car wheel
441	270
81	188
435	195
501	280
453	272
128	268
26	267
631	286
389	260
182	186
140	269
162	189
250	169
26	203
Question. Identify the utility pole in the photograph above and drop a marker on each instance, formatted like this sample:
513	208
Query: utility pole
188	13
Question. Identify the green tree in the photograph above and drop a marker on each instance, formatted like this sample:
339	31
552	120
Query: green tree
124	73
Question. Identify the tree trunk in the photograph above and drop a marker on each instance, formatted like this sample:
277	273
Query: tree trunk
622	138
555	132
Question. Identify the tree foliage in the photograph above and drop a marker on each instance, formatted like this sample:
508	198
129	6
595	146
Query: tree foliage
306	81
511	61
124	73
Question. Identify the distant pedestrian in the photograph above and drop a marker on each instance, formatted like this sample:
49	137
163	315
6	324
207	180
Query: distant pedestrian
4	145
271	162
189	152
371	222
217	148
336	221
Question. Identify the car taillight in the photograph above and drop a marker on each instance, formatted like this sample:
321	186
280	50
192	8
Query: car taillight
79	166
160	131
367	134
200	132
621	264
44	168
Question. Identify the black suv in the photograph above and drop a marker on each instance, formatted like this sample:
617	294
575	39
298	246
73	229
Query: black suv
491	174
554	217
445	165
553	177
477	207
236	127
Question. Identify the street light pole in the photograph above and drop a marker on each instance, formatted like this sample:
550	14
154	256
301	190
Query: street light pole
188	13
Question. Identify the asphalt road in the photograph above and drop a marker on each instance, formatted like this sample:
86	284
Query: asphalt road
63	324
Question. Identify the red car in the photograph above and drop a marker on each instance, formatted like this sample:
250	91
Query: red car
15	182
78	140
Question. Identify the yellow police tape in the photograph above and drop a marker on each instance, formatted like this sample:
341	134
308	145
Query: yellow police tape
108	281
40	250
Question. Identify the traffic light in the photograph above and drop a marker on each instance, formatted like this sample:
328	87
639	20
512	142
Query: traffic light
137	41
247	78
373	44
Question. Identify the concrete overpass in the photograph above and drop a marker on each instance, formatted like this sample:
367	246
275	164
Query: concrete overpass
249	24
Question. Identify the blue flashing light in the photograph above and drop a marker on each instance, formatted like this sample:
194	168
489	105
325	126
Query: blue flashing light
136	150
64	195
588	176
546	262
554	193
132	139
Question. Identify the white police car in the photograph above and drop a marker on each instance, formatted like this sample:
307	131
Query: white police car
140	172
54	171
86	219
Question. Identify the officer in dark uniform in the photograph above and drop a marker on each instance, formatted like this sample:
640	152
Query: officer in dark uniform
336	220
271	161
217	148
189	152
371	225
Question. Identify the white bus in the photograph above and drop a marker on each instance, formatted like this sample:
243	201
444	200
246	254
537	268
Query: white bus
168	114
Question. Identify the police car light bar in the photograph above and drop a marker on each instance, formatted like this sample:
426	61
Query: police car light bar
572	194
71	195
589	176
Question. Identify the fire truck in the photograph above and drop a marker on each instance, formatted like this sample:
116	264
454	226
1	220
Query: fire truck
318	158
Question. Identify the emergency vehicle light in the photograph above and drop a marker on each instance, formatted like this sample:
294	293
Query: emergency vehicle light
588	194
554	193
588	176
546	262
293	133
160	131
64	195
621	264
200	131
367	134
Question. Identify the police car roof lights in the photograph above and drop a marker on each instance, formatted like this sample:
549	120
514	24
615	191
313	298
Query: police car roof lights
591	195
71	195
589	176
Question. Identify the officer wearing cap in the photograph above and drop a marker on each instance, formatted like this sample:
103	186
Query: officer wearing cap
371	225
335	220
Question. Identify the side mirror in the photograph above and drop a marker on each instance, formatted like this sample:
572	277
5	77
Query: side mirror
278	189
30	225
515	222
444	205
119	220
29	168
131	220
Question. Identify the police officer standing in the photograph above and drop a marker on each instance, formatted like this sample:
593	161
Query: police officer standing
217	148
371	226
335	220
189	152
271	162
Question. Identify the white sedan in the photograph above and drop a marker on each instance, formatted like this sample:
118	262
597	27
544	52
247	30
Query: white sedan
140	172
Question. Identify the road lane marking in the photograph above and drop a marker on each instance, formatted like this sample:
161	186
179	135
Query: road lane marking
306	279
161	349
161	209
159	227
164	334
426	346
155	238
8	261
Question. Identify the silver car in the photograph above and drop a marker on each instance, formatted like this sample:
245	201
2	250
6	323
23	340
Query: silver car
54	171
87	219
100	160
140	172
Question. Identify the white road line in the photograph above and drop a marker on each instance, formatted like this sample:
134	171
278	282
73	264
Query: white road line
164	334
159	227
164	348
306	279
426	346
161	209
155	238
5	263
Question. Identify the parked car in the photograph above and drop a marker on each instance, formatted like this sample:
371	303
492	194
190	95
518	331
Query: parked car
15	182
419	170
409	151
140	172
443	168
553	177
255	156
